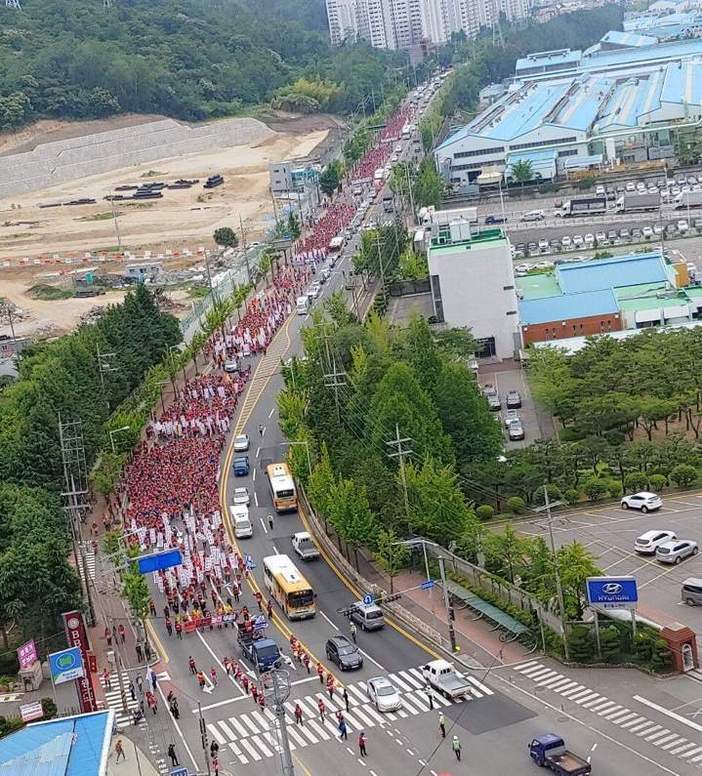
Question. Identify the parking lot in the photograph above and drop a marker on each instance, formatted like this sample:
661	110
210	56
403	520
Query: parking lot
609	533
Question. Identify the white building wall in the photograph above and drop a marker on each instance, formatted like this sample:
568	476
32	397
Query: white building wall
476	282
435	24
342	20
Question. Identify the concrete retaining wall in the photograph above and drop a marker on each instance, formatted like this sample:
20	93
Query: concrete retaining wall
65	160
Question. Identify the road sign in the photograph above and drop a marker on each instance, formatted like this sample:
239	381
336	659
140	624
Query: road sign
30	711
178	771
259	622
250	563
612	592
428	584
66	665
159	560
368	599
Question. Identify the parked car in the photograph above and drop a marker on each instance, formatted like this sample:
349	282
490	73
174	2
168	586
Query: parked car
648	542
589	239
577	240
676	550
383	694
511	416
492	219
631	186
644	501
624	234
612	236
494	402
313	291
543	245
241	443
231	366
683	226
601	238
514	400
647	232
344	653
566	242
515	432
241	497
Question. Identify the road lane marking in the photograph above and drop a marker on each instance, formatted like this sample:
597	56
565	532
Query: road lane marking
668	713
270	414
263	525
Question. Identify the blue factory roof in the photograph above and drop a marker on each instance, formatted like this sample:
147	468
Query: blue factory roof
611	273
616	38
660	52
548	59
69	746
562	308
578	162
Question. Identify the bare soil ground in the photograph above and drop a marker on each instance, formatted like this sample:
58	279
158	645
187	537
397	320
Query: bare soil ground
183	219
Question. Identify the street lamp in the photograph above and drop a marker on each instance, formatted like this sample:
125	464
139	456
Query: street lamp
112	433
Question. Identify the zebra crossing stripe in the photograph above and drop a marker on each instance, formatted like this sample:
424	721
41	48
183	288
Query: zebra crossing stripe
259	743
355	693
682	748
526	665
411	679
605	712
227	730
482	687
633	722
369	722
677	740
243	759
551	681
241	730
292	733
318	729
249	748
655	736
395	679
409	699
262	721
651	731
373	713
218	737
573	692
619	716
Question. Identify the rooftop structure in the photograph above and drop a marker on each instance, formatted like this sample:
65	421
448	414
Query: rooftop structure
68	746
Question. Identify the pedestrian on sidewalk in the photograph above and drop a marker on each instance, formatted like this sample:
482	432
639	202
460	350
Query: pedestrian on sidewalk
119	750
152	676
298	714
254	692
191	665
122	633
108	636
172	755
456	746
140	683
106	679
169	627
362	740
442	725
269	609
260	429
131	691
152	607
354	631
114	633
139	653
345	696
179	630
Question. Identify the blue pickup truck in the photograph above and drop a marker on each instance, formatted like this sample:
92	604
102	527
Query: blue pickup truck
262	653
241	466
548	751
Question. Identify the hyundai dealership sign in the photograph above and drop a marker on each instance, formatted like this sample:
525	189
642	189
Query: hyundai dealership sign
612	592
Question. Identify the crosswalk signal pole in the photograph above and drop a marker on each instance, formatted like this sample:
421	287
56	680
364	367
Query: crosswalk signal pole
276	688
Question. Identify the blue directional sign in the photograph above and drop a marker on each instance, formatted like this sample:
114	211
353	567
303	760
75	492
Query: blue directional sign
260	622
159	560
612	592
66	665
428	584
368	599
178	771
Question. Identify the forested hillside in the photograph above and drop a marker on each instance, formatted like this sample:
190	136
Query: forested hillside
187	59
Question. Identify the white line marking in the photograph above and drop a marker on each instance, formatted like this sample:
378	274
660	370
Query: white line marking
263	525
668	713
254	474
270	414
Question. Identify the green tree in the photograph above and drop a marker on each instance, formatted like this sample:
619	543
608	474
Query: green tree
683	475
352	517
522	171
330	178
293	225
226	237
428	189
507	553
575	565
390	554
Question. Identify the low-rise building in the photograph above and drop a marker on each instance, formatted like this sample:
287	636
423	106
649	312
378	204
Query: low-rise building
472	284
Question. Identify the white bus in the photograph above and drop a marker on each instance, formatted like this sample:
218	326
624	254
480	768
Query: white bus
282	485
288	587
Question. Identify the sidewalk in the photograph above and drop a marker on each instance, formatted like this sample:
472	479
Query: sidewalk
134	761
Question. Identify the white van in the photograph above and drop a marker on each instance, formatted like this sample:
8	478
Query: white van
303	305
243	527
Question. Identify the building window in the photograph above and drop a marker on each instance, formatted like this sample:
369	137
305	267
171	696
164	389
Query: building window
568	152
539	143
485	347
479	152
507	288
511	312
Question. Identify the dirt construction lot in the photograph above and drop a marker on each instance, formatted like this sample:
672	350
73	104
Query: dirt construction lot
182	219
609	533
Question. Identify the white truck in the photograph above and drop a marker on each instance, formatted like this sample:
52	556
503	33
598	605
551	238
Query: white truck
688	199
304	546
633	202
443	677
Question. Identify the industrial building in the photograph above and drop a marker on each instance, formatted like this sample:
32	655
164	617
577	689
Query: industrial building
605	295
472	281
569	108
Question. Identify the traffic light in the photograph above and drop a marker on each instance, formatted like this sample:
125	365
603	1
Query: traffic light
452	613
389	598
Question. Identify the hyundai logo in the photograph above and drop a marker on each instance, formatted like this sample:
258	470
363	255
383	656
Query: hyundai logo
612	588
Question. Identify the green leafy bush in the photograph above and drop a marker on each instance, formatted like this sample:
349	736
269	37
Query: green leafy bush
516	505
485	512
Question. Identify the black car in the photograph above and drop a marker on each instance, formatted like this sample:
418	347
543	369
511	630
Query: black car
495	219
344	653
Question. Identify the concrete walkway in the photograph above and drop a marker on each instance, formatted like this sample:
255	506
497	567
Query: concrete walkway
134	762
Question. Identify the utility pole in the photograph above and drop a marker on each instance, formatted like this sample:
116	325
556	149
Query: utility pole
557	574
75	474
7	309
108	3
335	379
397	443
276	690
449	609
203	738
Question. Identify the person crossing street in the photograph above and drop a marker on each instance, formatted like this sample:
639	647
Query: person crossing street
456	746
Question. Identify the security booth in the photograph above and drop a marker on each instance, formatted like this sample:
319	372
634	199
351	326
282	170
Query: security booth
683	646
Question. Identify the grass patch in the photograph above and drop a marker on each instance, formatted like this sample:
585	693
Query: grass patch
152	174
109	249
48	293
138	205
198	292
100	216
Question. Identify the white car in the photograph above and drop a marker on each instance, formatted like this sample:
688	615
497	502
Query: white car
676	550
631	186
647	232
566	242
313	291
578	240
601	238
648	542
241	443
589	239
241	497
644	501
383	693
231	366
600	191
683	226
511	416
543	245
533	215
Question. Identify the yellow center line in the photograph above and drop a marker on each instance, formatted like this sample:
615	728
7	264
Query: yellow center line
224	481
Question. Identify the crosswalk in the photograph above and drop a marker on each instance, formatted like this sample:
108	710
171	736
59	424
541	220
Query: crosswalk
253	735
614	713
113	697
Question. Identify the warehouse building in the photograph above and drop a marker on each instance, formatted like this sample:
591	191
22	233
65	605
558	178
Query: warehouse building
606	295
620	105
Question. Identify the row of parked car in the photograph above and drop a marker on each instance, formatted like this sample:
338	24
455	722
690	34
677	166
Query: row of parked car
607	239
511	420
666	187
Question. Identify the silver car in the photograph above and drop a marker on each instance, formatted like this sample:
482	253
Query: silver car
241	443
241	497
383	693
676	551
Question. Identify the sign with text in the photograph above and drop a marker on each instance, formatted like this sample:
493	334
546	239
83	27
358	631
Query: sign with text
66	665
30	711
27	654
77	636
612	592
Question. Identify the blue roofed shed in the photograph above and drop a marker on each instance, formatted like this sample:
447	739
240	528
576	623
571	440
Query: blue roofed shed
611	273
68	746
567	307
